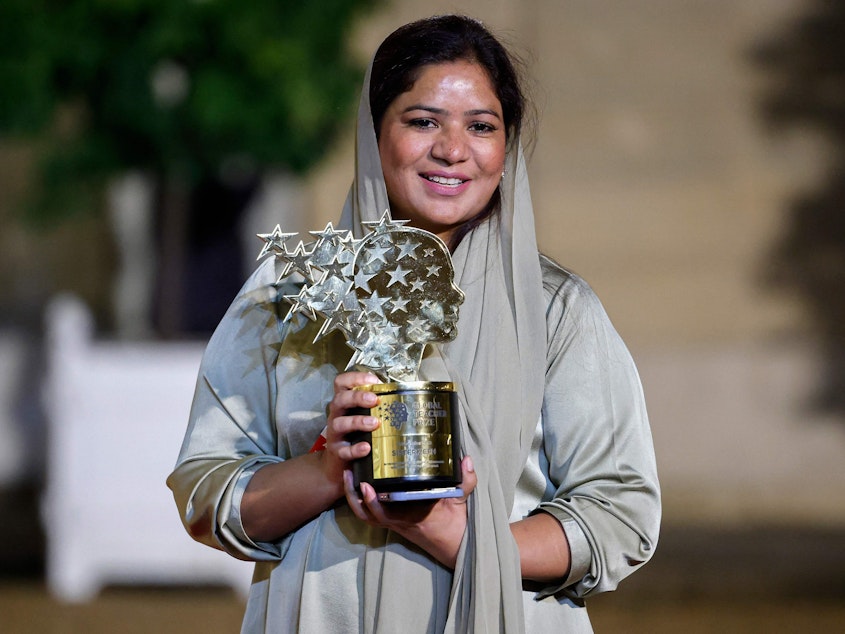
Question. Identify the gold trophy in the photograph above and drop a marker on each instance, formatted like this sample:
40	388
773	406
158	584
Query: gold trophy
390	294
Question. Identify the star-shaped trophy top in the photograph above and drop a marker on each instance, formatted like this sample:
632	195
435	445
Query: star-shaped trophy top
389	293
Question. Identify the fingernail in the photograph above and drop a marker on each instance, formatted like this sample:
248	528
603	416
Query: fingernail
470	465
370	398
371	421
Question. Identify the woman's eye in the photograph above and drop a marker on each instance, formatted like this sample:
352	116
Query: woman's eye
480	126
422	123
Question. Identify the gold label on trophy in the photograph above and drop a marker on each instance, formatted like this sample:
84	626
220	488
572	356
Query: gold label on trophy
415	436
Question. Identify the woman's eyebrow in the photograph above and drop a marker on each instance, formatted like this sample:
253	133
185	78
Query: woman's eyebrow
473	113
419	106
468	113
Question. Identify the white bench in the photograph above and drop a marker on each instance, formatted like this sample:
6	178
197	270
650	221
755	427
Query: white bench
117	413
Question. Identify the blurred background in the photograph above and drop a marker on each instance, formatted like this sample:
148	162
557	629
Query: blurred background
689	163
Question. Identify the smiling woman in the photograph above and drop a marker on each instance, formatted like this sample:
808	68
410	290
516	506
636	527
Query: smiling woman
559	497
442	147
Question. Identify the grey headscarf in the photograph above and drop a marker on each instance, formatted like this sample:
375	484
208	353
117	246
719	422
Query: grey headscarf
498	360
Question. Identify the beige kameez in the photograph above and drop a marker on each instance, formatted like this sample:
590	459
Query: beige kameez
553	415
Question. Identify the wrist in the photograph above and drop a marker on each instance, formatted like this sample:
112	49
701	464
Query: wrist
442	538
330	480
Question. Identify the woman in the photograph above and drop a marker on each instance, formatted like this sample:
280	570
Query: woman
560	490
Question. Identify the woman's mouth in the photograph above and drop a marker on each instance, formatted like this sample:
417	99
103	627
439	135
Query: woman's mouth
444	180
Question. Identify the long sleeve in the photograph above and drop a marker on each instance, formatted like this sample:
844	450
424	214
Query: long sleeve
596	438
231	429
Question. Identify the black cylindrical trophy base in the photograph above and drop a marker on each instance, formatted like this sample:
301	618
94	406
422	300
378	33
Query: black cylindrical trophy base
416	449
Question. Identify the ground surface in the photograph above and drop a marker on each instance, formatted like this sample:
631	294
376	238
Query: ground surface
27	608
701	580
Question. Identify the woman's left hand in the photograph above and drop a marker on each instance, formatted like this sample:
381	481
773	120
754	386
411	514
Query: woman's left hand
435	526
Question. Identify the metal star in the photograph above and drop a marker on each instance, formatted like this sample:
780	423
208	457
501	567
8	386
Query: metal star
300	306
374	304
433	270
349	244
390	334
377	253
398	275
406	249
417	324
384	224
325	295
328	245
299	259
336	268
361	280
399	303
330	234
274	242
343	317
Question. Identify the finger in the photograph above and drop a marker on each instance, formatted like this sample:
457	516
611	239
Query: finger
368	494
349	380
352	497
340	426
373	507
345	397
348	451
469	479
349	399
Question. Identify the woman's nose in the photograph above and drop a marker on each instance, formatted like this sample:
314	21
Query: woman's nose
450	146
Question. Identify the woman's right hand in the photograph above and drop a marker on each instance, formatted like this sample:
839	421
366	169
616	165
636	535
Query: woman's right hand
340	450
283	495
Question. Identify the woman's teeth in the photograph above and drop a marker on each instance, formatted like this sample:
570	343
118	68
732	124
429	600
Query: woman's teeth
442	180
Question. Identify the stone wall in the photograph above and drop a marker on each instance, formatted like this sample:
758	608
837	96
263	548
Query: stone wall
654	177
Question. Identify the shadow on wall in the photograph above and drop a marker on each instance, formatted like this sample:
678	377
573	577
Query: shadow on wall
805	65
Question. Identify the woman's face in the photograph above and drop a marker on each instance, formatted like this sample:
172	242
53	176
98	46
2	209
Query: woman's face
442	147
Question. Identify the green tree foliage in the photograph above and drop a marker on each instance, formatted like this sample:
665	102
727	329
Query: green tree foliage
178	88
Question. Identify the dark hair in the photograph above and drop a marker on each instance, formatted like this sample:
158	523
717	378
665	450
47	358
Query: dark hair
447	38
